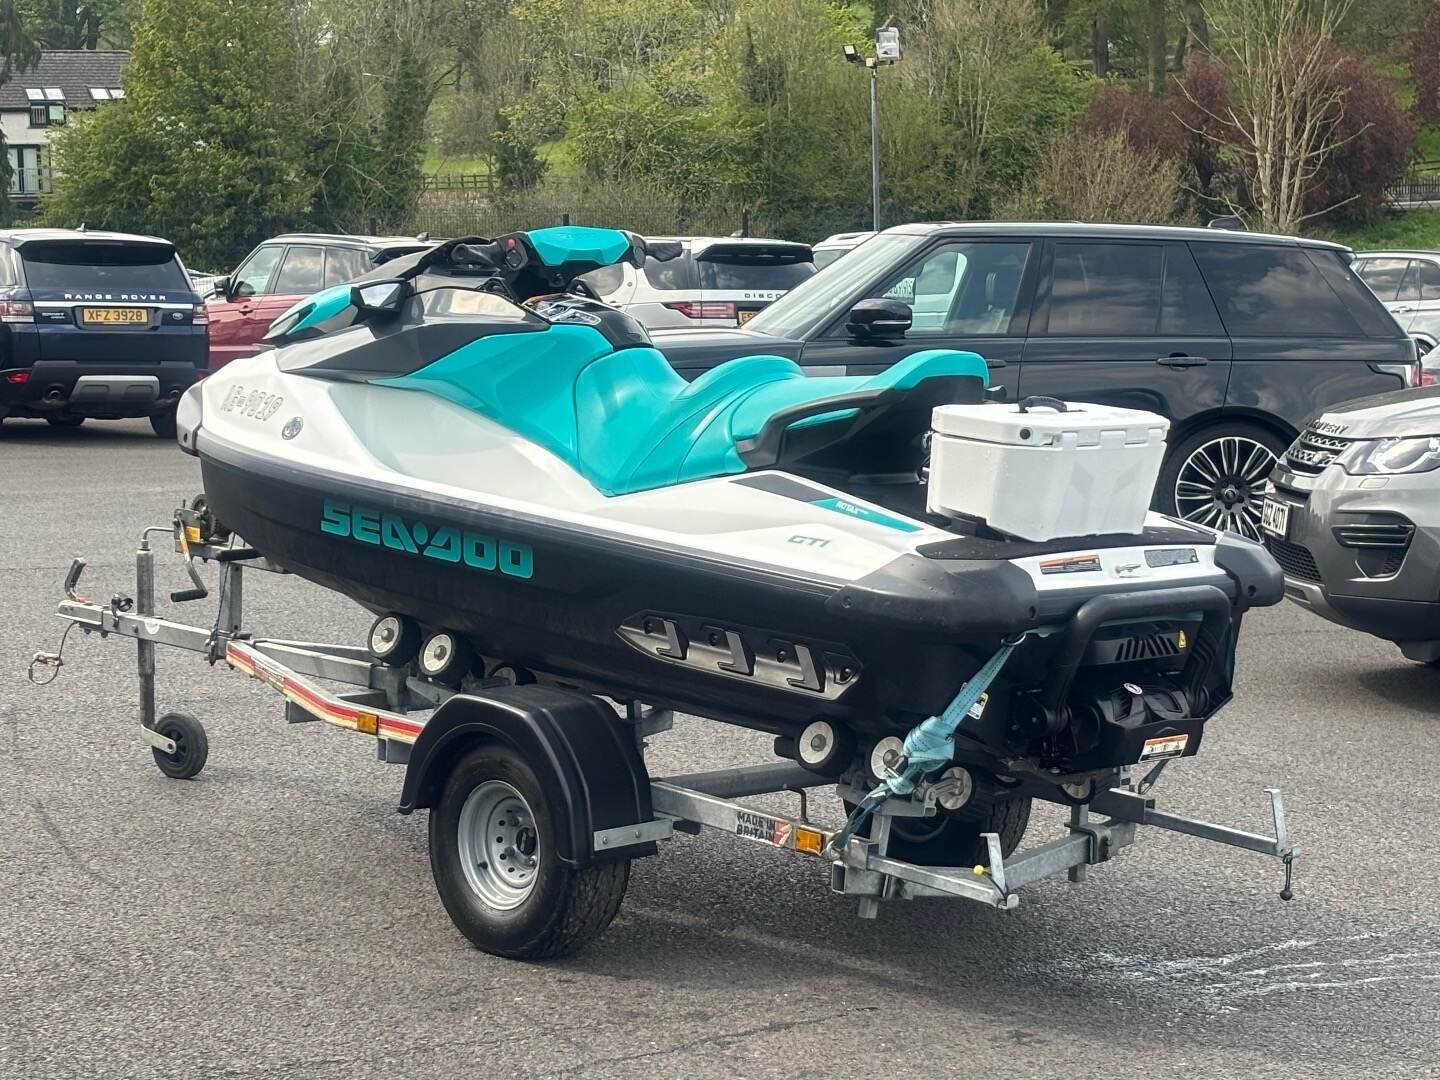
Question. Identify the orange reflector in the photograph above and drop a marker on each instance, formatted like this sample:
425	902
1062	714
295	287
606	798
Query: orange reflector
367	722
808	840
192	534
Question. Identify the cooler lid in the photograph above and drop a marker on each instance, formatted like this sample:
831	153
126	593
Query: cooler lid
1045	425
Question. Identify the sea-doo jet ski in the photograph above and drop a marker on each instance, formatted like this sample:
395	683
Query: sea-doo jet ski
521	488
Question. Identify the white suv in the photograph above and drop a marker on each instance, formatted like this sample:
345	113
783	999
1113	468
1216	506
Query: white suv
1408	283
716	282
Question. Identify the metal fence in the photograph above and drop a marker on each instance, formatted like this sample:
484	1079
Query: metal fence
459	182
1415	192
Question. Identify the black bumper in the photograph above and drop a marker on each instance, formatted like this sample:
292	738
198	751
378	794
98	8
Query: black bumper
105	390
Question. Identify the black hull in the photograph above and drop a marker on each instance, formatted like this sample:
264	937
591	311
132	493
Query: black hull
568	619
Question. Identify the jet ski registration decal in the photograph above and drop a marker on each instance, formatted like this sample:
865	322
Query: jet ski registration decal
442	543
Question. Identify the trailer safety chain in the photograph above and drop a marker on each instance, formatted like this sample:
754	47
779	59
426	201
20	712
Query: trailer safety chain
1152	777
53	661
929	746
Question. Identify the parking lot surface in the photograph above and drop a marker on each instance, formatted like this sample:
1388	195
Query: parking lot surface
275	917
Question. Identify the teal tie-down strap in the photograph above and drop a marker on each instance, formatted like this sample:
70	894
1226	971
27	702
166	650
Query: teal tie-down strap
928	748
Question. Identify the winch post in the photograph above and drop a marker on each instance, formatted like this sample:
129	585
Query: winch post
145	649
1079	819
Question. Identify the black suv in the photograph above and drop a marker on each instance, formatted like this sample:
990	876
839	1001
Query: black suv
1238	338
96	324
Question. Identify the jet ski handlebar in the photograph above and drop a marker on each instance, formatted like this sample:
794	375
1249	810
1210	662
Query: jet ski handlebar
530	264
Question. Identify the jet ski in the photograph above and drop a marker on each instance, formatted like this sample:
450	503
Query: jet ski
521	489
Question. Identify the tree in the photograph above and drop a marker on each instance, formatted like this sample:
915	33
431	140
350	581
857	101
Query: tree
1373	143
517	166
967	49
70	24
1101	177
18	51
1425	66
206	147
1284	100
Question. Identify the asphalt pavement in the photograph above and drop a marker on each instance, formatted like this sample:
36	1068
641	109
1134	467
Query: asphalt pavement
276	918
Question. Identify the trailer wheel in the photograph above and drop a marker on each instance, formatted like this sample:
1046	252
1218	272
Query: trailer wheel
192	748
394	639
954	839
492	852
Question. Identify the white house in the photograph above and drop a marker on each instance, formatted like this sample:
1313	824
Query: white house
34	102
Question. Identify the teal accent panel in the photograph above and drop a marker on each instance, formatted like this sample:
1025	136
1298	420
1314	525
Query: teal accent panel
524	381
578	243
864	513
323	305
824	418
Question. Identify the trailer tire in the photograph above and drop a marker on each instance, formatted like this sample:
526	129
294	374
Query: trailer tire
955	839
560	909
192	747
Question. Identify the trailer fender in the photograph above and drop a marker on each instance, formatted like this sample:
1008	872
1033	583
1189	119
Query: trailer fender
582	753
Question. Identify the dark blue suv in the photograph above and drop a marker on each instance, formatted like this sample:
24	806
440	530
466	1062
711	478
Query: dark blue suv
96	324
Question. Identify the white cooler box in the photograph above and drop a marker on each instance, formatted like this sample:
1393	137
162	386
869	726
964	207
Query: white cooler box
1034	471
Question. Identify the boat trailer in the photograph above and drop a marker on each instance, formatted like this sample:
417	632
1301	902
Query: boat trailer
395	707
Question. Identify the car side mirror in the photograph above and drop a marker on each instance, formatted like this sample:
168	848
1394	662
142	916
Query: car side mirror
220	287
879	318
378	297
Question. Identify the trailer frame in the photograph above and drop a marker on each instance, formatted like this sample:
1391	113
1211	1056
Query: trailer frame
387	702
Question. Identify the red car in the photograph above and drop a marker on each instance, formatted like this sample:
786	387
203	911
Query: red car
281	271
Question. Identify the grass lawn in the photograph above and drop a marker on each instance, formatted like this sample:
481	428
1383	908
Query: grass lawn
437	164
1397	229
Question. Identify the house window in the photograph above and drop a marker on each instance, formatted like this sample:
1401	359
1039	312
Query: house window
47	106
29	170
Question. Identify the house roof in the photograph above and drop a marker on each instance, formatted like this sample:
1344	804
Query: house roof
73	71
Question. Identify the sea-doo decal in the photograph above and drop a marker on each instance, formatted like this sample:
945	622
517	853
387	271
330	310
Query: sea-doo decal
292	428
442	543
256	403
864	513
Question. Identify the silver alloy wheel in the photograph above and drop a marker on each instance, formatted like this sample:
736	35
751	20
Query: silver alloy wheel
499	845
1222	484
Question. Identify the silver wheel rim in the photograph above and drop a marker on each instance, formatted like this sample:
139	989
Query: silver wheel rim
1222	484
385	636
438	654
499	845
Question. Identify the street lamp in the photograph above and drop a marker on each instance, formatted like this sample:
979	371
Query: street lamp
887	51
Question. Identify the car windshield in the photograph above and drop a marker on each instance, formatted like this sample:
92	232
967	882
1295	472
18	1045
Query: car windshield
814	301
103	266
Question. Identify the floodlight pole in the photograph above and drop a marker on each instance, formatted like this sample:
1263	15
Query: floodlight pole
875	145
887	51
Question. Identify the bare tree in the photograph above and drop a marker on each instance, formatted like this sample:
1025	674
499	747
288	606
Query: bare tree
1284	102
1088	176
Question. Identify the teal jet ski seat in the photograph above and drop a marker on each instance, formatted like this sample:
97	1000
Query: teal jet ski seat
627	421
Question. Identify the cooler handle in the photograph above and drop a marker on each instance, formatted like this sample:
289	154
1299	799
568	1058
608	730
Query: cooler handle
1040	401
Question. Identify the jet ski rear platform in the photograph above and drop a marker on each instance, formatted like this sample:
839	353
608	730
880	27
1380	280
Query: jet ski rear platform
586	758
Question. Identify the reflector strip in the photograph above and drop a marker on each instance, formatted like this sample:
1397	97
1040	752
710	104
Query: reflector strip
322	706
